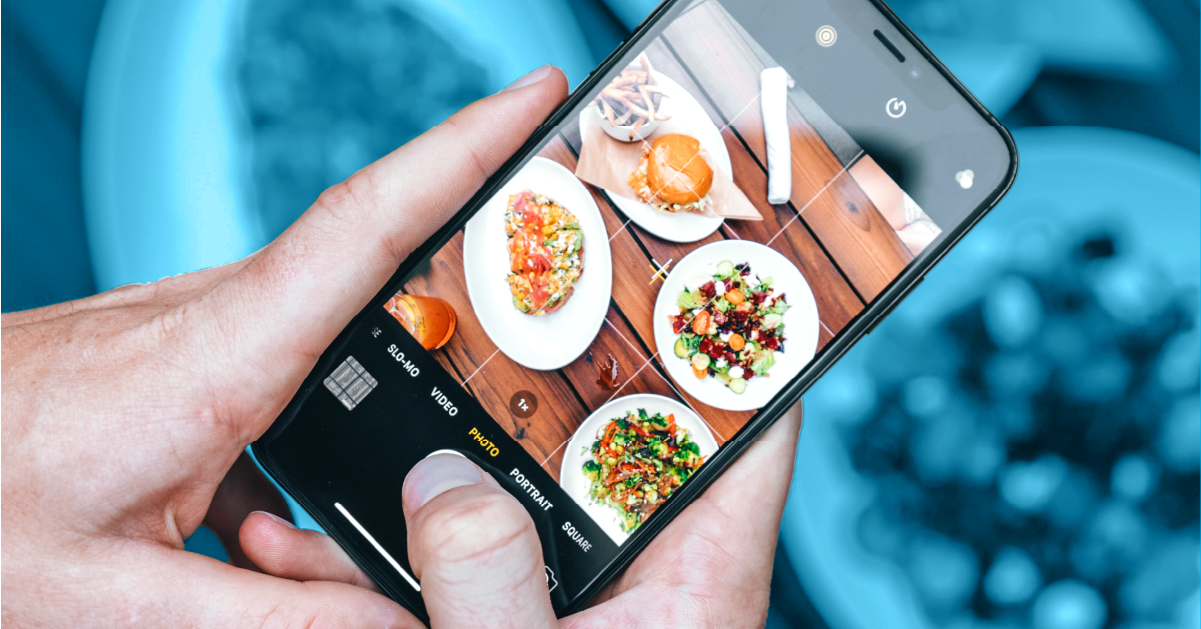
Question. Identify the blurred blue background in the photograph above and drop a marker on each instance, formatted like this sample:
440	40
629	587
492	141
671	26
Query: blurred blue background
1018	445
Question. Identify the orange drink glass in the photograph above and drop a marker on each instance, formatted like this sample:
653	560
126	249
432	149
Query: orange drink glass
430	320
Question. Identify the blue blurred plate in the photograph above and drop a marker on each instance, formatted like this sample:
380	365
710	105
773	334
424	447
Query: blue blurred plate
1146	190
165	144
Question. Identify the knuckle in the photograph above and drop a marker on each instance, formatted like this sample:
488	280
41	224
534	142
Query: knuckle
344	201
167	323
346	206
213	417
482	526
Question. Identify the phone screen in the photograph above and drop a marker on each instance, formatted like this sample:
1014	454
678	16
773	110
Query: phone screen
691	237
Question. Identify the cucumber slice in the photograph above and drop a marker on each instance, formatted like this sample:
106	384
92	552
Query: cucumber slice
737	385
700	361
681	348
725	267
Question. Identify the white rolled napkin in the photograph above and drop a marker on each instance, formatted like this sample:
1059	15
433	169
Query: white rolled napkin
773	100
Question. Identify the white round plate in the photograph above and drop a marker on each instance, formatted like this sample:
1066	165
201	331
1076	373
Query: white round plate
571	471
689	118
549	341
801	324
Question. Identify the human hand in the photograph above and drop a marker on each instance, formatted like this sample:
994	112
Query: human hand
475	550
125	411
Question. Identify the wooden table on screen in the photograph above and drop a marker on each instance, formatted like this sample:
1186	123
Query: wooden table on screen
829	229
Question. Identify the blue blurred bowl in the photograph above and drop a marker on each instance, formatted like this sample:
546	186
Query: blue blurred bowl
1074	178
165	139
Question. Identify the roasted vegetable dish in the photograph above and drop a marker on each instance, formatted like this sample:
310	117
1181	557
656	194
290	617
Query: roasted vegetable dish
730	325
546	252
637	462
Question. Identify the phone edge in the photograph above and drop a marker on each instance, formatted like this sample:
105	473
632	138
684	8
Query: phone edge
860	326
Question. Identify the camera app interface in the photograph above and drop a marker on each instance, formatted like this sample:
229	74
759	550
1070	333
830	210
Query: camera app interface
676	253
632	295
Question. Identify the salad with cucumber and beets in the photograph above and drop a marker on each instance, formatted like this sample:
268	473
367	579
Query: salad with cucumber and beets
730	325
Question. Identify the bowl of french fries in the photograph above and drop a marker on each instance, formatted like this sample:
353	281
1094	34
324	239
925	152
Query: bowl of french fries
633	104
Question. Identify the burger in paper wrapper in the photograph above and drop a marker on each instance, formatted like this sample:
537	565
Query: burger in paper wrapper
673	175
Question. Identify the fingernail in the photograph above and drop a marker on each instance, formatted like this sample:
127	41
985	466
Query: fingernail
277	519
436	475
531	78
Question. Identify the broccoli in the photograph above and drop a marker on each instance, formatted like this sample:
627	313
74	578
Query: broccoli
592	470
688	456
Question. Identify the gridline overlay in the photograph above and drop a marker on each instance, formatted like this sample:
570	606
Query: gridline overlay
350	382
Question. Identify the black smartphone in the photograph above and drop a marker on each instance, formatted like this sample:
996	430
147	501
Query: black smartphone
731	200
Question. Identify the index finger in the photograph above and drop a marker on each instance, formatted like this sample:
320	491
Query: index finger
276	315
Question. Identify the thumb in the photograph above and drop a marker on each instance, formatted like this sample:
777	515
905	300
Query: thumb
474	548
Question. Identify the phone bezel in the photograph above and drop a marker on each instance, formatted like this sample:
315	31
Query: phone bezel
855	330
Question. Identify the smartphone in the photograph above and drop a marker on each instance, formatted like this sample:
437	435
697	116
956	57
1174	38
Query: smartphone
718	212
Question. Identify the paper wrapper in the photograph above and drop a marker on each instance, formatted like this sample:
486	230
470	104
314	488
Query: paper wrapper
607	163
